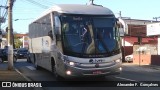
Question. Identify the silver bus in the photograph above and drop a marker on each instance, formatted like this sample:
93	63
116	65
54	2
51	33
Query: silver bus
73	40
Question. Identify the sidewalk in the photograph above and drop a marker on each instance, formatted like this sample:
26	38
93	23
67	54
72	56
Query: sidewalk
12	75
154	67
9	75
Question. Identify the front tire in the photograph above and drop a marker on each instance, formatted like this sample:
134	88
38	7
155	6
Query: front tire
14	59
54	71
28	59
1	60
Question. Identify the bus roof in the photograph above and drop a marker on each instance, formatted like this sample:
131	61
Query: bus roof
78	9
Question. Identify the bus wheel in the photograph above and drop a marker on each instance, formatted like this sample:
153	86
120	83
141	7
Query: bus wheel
54	70
28	59
14	59
1	60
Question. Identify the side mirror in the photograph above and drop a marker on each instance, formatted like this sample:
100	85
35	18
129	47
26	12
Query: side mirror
121	32
120	27
57	29
57	26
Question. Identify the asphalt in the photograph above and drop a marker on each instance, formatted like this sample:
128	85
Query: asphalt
15	75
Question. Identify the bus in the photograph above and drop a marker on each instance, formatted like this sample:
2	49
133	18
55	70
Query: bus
73	40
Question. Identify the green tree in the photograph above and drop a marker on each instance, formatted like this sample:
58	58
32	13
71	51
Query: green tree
17	42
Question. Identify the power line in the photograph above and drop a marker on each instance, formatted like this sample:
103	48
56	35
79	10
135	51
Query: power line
17	20
23	19
4	14
48	2
4	26
38	4
5	10
36	10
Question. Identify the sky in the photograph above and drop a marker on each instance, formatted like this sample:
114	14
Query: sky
24	12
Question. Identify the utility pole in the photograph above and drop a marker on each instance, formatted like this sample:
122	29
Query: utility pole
91	2
0	28
10	34
120	14
156	18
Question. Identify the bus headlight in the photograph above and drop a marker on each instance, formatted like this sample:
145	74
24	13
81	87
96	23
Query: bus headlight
68	62
71	63
118	60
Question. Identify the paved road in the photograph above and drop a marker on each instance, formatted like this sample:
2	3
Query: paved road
140	73
130	73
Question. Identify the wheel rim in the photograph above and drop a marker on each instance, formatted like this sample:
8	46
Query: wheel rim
14	59
1	60
28	59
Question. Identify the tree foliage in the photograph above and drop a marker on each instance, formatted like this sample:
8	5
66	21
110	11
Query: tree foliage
18	43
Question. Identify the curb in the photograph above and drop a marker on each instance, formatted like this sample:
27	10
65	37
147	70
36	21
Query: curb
153	67
28	79
22	75
156	67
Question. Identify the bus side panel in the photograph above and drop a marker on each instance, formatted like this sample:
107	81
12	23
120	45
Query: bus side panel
35	48
36	45
31	55
40	50
46	53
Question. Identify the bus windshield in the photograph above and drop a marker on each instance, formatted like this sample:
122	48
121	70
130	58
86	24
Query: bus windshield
92	36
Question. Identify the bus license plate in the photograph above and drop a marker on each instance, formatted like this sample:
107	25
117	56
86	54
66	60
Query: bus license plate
97	72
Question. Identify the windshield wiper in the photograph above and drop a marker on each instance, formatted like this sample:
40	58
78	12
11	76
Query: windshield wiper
84	32
85	39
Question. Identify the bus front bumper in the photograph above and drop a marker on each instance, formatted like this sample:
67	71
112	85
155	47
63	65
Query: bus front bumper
72	72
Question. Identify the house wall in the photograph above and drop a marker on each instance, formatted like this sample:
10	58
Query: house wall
146	59
141	59
3	43
146	54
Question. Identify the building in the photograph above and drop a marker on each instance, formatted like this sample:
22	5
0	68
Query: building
25	42
136	42
22	37
3	43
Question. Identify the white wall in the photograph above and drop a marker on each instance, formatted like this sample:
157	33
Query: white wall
4	43
126	43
